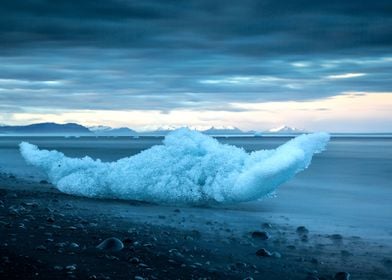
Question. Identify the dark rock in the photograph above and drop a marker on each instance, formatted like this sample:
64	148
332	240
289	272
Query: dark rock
41	248
110	257
74	245
304	238
71	267
387	262
342	276
134	260
30	204
336	236
61	244
111	244
50	220
260	235
43	182
263	253
177	210
302	230
266	225
314	261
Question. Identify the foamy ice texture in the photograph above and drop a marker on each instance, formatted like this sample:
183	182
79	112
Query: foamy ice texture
189	168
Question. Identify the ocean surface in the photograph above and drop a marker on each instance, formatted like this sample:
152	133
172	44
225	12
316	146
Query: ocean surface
347	189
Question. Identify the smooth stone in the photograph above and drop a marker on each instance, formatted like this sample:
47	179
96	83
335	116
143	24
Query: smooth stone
74	245
263	253
266	225
302	230
111	244
342	276
71	267
260	235
134	260
336	236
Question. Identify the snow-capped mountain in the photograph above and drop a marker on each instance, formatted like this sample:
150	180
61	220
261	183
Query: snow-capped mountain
109	131
228	130
99	128
285	130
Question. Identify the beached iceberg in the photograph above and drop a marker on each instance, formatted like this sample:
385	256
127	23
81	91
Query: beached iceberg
189	168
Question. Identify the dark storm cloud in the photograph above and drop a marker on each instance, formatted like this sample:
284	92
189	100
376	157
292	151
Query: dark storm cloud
189	54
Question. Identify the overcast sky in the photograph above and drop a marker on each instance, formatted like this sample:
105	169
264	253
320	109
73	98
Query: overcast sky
254	64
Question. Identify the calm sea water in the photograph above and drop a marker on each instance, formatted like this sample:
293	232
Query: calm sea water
347	188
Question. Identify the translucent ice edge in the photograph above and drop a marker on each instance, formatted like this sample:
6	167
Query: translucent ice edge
189	168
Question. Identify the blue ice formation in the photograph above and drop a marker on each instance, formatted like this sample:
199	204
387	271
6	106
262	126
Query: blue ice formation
189	168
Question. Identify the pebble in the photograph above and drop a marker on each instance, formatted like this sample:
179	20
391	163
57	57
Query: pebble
111	244
336	236
30	204
60	244
387	262
304	238
266	225
302	230
134	260
74	245
41	248
71	267
263	253
260	235
342	276
138	277
314	261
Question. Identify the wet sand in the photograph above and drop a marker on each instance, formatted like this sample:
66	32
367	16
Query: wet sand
46	234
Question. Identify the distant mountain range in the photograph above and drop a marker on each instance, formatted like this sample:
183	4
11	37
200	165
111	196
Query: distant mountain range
73	129
45	129
108	131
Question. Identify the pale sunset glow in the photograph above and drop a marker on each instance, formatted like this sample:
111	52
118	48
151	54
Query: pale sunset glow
354	108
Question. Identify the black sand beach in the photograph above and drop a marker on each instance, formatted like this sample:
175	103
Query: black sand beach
49	235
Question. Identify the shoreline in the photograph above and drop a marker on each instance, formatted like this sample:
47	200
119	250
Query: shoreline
55	235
